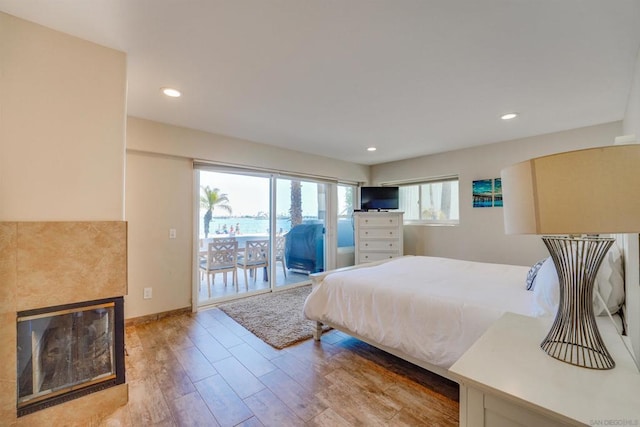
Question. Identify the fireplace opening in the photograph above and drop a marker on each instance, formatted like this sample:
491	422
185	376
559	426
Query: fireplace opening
65	352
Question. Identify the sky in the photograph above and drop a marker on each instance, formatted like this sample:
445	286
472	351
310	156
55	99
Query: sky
249	195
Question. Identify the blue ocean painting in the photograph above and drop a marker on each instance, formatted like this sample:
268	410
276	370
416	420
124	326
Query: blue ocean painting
483	193
497	192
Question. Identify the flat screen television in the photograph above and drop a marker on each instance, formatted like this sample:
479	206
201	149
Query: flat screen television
378	198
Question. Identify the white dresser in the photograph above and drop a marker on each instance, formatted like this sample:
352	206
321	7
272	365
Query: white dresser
378	235
506	379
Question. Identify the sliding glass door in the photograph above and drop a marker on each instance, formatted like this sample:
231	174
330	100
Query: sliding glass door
235	208
300	237
284	216
346	200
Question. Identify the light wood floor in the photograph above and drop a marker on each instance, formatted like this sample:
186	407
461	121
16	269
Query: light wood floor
206	370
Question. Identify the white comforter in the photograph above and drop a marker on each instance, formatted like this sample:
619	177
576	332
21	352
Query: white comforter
432	309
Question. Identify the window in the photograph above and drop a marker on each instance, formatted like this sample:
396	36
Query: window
346	205
431	202
346	200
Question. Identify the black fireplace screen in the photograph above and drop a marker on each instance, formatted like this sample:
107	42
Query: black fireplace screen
68	351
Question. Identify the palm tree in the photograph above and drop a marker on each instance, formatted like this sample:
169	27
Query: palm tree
348	201
295	211
211	199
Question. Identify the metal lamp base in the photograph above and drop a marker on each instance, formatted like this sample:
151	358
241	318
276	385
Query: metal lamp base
574	337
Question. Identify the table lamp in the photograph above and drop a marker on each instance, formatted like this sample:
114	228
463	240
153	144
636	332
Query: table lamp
571	198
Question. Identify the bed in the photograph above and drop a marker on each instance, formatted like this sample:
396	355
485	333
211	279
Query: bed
426	310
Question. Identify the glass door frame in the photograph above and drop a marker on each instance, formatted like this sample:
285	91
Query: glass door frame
330	226
329	244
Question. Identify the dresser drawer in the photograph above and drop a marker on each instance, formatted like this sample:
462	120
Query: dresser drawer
384	221
379	233
379	245
376	256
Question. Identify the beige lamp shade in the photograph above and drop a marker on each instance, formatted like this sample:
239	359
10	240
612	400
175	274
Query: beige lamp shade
588	191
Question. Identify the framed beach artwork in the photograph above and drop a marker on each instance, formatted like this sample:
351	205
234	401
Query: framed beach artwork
497	192
483	193
487	193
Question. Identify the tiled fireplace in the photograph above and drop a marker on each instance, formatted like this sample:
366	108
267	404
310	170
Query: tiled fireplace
61	321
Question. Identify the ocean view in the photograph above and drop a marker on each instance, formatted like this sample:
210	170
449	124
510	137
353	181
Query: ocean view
248	225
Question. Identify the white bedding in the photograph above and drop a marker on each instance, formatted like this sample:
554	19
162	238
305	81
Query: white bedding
432	309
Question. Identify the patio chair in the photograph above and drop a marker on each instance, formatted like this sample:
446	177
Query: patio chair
256	255
223	239
204	245
280	243
221	258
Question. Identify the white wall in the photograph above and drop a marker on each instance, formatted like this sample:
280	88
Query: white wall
62	123
153	137
159	196
631	123
480	235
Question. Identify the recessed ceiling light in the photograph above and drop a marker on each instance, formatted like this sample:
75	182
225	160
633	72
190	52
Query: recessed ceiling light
173	93
509	116
371	149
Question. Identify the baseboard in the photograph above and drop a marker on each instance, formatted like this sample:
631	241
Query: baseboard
156	316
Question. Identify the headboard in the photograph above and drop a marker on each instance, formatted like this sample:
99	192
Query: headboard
631	250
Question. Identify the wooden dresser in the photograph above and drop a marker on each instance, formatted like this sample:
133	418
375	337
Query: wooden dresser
378	236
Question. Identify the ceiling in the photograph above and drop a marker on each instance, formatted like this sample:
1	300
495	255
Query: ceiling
333	77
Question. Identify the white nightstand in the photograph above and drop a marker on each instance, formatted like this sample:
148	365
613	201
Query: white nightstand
507	380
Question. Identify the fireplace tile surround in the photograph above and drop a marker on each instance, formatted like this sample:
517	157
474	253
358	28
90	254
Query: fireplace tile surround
44	264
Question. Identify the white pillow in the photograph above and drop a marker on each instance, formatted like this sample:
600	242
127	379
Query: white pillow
609	282
546	289
531	275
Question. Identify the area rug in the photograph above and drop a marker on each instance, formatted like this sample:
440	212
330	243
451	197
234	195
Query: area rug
276	318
